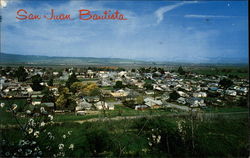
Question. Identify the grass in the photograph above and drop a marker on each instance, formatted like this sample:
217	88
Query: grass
220	138
7	117
226	109
120	110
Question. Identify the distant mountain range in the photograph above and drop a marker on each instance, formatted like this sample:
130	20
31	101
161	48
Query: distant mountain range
54	60
33	59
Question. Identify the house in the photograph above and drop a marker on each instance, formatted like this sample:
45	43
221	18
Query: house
36	99
101	105
182	94
49	106
82	104
152	103
200	95
120	93
149	92
55	73
181	100
196	102
231	92
2	80
80	113
141	107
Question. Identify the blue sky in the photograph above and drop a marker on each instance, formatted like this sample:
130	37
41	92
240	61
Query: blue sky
189	31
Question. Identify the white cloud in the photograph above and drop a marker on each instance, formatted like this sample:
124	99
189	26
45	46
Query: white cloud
161	11
206	16
3	3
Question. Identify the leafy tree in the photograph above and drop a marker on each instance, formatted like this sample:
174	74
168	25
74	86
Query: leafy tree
21	74
65	100
36	83
51	82
140	100
90	89
119	85
77	87
48	96
161	70
71	80
148	86
95	92
174	95
120	69
225	83
181	71
61	101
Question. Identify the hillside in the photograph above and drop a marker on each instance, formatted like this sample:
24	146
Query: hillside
32	59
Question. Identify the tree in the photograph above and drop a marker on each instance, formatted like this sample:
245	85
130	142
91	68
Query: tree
181	71
225	83
21	74
48	96
174	95
71	80
90	89
61	101
65	100
51	82
119	85
148	86
140	100
36	83
77	87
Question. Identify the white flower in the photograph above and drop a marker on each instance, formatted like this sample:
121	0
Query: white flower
2	105
69	132
42	110
158	139
71	146
28	112
51	137
28	152
61	146
37	149
31	122
36	134
61	154
14	106
150	144
21	142
33	143
50	117
30	130
153	136
64	136
42	124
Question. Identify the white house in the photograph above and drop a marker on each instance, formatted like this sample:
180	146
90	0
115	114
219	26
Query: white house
231	92
200	95
103	105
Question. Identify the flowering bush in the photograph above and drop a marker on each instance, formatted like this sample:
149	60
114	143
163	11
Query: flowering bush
36	138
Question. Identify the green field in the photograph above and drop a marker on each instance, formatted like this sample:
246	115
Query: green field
130	138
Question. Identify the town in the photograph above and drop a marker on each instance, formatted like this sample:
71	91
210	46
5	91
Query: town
85	90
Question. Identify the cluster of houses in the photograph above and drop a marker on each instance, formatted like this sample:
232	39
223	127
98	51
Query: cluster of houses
192	90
